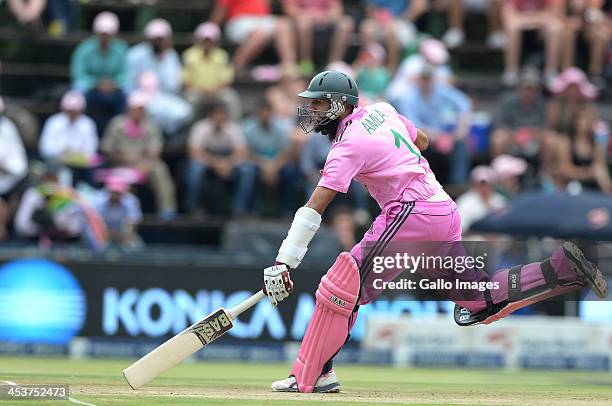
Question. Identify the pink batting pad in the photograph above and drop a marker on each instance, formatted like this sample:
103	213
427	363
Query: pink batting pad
329	326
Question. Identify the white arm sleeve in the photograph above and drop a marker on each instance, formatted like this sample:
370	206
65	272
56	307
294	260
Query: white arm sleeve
305	224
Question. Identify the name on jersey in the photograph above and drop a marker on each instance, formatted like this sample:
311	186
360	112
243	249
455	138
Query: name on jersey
373	120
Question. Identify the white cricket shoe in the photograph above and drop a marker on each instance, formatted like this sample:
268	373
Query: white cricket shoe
327	383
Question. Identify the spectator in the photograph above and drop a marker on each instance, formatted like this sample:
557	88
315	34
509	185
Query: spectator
13	168
27	12
443	112
98	69
218	150
431	52
520	118
372	74
50	211
455	35
311	16
509	169
594	19
121	213
70	138
583	157
481	199
522	15
269	148
62	16
133	141
572	93
283	97
208	75
154	66
250	24
394	21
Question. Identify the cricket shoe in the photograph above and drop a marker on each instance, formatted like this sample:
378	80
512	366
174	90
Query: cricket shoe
585	269
327	383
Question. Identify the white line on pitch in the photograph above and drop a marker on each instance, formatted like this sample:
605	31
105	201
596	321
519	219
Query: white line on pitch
11	383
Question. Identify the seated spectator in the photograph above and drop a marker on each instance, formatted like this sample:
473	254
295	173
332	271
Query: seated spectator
572	93
481	199
157	59
250	24
98	69
443	112
594	19
327	16
582	157
431	52
392	20
208	75
283	97
121	213
456	9
218	151
70	138
27	12
520	118
50	211
133	141
509	170
13	169
523	15
269	148
372	75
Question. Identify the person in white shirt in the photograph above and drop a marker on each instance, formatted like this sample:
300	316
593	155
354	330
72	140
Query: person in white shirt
481	199
70	138
13	168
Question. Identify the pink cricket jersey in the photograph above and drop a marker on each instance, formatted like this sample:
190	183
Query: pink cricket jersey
375	146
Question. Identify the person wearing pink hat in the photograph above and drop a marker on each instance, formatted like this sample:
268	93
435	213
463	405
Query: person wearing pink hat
208	73
392	21
98	69
27	12
132	140
432	52
572	93
509	169
522	15
121	213
481	199
322	16
156	58
372	75
70	137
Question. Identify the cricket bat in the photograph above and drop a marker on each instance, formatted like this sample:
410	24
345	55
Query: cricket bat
186	343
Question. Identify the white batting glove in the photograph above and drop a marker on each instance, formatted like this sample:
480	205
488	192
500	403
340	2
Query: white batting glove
277	283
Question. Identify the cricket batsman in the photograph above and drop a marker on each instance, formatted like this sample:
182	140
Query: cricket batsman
381	149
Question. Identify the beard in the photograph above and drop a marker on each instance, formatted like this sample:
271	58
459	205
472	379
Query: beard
328	129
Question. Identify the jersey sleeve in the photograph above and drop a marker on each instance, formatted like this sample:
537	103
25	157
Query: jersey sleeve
410	127
343	162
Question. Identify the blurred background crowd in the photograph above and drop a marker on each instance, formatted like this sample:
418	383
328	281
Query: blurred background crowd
123	116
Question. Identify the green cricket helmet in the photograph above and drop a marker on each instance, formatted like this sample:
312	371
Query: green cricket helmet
335	86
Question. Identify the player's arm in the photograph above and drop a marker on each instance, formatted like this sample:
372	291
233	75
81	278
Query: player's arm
421	141
307	220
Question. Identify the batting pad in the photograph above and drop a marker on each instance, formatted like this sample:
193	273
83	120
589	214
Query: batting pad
327	331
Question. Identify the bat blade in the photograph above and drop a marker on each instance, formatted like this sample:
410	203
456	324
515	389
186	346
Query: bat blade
178	348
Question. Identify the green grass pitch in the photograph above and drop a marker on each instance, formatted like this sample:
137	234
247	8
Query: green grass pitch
99	382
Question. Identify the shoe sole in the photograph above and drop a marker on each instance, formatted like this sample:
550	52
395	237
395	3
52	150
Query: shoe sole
331	388
585	268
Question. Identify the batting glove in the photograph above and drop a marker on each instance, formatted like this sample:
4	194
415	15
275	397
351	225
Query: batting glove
277	283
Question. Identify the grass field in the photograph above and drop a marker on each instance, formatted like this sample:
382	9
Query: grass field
99	382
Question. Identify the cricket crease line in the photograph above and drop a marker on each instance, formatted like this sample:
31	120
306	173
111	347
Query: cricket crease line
11	383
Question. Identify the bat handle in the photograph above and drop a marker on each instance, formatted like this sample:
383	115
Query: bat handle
246	305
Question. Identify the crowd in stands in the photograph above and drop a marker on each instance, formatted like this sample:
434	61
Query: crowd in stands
103	149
